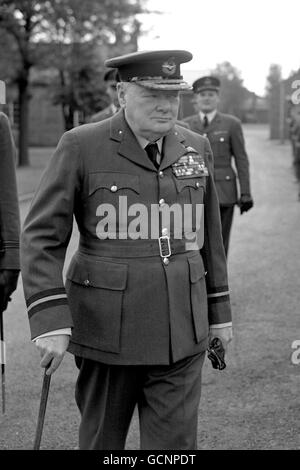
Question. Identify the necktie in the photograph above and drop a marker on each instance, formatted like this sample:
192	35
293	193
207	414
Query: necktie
205	121
152	151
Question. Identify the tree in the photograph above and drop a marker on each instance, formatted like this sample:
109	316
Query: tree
80	35
275	101
20	21
232	93
274	78
67	35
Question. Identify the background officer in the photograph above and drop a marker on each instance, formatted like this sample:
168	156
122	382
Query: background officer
227	141
9	214
141	308
110	79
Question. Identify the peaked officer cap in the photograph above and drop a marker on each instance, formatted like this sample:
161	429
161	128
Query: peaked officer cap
158	70
206	83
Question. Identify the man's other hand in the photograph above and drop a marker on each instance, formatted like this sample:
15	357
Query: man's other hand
8	284
225	334
52	350
245	203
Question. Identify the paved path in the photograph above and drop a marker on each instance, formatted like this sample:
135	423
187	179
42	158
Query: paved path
254	402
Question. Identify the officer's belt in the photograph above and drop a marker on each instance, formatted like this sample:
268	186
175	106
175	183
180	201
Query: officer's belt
134	248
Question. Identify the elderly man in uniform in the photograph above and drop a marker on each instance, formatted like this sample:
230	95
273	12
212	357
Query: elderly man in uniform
226	138
110	79
144	292
9	211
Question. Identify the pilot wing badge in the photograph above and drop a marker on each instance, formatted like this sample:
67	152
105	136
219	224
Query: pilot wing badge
190	165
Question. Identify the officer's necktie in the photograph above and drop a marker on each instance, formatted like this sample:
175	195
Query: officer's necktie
152	151
205	121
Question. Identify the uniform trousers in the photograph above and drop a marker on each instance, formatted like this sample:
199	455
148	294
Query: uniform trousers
167	397
226	213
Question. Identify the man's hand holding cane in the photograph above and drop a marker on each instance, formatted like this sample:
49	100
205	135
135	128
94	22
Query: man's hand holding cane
52	348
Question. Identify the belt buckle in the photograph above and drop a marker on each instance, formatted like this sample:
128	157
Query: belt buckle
164	246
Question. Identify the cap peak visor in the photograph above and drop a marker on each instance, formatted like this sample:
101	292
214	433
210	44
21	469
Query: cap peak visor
211	88
162	84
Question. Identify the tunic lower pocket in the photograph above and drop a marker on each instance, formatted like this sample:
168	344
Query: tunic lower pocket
95	291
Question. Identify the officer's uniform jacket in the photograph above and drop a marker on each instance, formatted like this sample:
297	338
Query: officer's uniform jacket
105	113
9	208
227	142
125	302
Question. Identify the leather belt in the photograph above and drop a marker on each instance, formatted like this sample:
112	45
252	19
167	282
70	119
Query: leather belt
163	247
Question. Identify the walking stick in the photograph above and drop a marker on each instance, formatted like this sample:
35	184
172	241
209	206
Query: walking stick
42	410
2	361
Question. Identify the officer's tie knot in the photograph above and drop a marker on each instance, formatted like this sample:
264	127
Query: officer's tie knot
152	151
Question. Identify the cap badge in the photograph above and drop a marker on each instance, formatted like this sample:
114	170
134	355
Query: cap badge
207	81
169	67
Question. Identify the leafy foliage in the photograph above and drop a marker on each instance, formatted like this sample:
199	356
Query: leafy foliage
232	93
70	37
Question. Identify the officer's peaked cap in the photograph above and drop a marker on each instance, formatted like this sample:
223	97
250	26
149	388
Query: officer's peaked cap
152	69
206	83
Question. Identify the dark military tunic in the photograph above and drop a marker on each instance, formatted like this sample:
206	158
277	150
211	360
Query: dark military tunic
9	208
227	142
125	302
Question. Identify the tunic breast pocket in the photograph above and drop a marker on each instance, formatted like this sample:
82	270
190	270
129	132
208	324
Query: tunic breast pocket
107	187
110	195
191	190
190	195
219	144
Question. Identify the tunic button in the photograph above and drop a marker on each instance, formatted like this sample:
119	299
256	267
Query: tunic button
166	261
86	282
197	184
161	202
161	174
114	188
228	177
221	139
204	135
164	232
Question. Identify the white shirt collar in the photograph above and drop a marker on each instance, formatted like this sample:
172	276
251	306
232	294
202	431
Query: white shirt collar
113	108
209	116
144	142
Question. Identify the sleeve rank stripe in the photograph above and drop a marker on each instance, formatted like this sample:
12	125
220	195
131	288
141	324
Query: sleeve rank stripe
45	293
217	300
46	299
218	294
48	304
221	325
